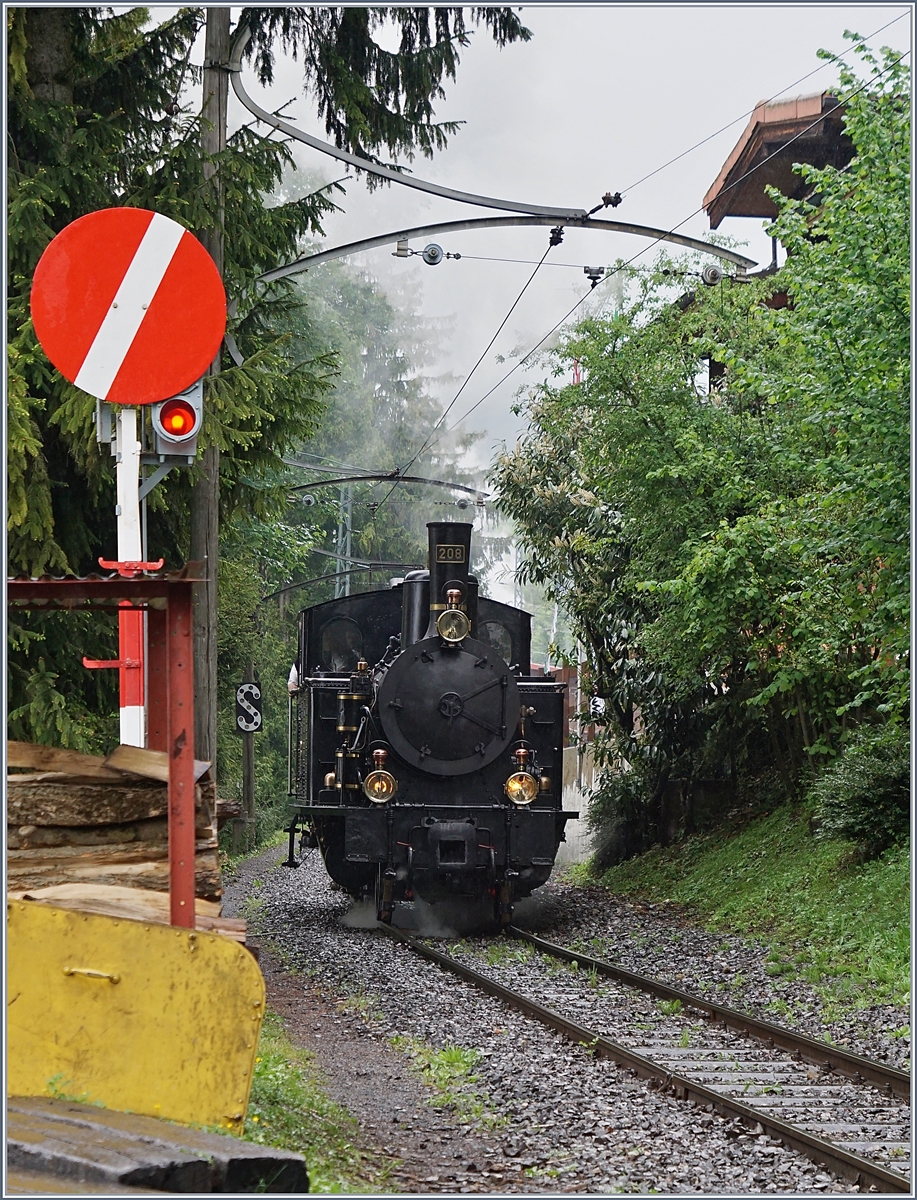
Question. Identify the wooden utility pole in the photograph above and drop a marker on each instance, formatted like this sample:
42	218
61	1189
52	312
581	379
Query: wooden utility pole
205	495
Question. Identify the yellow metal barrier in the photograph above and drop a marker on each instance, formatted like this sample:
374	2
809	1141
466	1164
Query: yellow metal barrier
137	1017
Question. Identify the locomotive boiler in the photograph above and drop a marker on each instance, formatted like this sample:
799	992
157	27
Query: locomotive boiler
425	758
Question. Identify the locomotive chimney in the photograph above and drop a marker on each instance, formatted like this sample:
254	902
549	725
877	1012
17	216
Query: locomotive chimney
450	547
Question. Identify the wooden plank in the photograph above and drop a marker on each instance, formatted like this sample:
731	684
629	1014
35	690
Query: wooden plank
132	904
111	852
33	837
27	870
153	905
53	758
156	830
151	764
48	802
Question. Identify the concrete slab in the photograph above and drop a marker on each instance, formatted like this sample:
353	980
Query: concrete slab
85	1144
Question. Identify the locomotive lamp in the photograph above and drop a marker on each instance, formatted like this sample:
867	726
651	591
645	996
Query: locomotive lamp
521	787
453	625
380	785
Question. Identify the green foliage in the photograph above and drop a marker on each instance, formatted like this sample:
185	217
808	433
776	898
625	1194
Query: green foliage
256	640
845	926
864	795
449	1073
99	138
734	559
370	97
54	700
289	1108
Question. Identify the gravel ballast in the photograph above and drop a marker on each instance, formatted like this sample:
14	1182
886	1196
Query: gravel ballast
561	1121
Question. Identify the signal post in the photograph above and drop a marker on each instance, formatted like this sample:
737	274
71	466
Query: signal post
130	307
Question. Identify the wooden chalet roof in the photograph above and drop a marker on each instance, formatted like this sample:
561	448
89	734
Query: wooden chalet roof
771	132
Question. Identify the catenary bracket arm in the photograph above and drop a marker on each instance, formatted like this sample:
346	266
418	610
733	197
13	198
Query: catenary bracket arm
388	239
363	164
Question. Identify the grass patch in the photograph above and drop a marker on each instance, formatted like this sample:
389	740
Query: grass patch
506	950
670	1008
842	926
449	1073
229	863
289	1109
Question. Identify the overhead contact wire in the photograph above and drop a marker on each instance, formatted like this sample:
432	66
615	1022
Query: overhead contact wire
431	438
827	63
656	241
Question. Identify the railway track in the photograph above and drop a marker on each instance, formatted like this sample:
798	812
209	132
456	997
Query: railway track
841	1110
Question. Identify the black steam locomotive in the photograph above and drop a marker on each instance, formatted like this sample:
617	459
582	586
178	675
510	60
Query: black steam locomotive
425	760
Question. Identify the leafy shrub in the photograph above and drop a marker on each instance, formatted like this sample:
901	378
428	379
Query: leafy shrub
864	796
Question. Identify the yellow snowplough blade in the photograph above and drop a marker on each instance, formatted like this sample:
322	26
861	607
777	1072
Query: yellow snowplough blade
134	1016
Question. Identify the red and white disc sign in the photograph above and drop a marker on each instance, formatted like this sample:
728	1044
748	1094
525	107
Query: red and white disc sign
128	305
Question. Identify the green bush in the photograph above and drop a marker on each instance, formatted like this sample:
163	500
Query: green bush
864	795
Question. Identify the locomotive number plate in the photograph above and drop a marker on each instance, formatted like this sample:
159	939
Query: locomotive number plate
450	554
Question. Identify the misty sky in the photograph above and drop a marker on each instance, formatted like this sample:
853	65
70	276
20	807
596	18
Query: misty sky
601	96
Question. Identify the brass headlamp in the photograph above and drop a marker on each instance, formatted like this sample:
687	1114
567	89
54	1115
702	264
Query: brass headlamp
453	625
380	785
521	787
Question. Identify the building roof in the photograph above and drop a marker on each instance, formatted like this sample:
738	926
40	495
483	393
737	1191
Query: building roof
777	136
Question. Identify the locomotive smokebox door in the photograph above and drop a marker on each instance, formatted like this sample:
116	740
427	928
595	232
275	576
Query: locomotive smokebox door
449	711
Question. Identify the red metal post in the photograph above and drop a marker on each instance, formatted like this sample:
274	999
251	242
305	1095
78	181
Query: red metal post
157	719
130	650
181	757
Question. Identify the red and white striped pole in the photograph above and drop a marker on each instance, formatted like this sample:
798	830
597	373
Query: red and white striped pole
131	629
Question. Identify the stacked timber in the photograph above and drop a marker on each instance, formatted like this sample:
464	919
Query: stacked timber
77	819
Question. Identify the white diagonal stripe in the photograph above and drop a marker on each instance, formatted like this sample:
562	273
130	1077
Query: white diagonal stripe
135	294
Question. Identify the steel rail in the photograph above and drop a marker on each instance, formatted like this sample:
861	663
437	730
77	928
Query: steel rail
843	1062
234	67
850	1166
417	231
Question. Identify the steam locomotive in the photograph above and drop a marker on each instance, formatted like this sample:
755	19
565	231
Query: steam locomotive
425	759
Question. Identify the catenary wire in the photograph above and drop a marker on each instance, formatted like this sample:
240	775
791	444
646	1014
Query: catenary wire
621	267
432	435
526	261
827	63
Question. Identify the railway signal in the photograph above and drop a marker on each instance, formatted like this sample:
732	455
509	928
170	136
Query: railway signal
248	722
177	422
248	708
130	307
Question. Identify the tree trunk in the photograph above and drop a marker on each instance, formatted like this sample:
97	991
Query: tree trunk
205	495
49	56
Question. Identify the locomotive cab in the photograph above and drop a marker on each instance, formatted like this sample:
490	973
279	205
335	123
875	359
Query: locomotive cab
425	763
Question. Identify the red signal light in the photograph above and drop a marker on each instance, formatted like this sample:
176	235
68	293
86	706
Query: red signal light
177	422
178	419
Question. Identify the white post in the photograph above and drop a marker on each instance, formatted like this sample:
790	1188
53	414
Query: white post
131	623
128	486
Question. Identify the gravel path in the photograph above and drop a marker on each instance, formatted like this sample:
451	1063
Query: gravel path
566	1122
